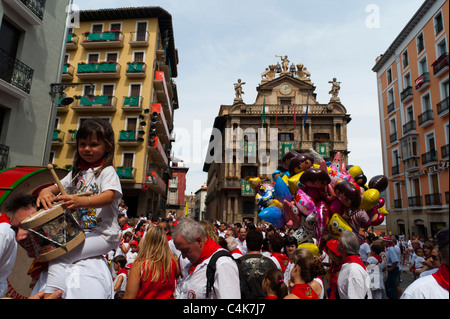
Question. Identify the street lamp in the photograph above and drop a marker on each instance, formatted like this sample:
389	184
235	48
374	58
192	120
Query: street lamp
60	88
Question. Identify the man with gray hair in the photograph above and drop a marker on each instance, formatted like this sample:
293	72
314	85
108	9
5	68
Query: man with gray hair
353	280
191	240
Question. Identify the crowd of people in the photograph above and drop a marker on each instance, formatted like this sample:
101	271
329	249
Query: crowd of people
144	259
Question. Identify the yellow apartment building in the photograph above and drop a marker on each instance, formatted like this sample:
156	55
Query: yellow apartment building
413	93
122	63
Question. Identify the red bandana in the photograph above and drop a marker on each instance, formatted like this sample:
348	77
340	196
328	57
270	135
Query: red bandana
377	257
5	219
354	259
441	276
122	271
304	291
84	166
210	248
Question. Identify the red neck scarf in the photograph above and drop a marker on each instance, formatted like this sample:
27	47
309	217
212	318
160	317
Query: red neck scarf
84	166
271	297
304	291
354	259
282	259
377	257
441	276
5	219
210	248
122	271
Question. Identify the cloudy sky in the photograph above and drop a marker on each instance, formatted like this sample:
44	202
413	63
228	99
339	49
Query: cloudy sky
222	41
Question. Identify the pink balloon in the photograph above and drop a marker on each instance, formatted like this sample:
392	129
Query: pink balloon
304	203
380	202
379	220
321	219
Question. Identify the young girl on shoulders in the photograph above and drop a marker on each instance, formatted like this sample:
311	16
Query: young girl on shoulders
93	171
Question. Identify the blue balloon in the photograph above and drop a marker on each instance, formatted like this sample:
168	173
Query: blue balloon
282	191
273	215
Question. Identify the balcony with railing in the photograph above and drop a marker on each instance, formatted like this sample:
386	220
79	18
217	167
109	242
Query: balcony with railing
139	39
15	76
103	40
32	11
398	203
409	127
136	70
231	183
429	158
164	93
426	118
440	66
72	140
444	152
105	103
157	152
155	182
391	107
68	72
415	201
433	199
132	103
442	107
129	138
58	138
126	174
395	170
99	70
4	153
393	137
422	82
406	94
72	41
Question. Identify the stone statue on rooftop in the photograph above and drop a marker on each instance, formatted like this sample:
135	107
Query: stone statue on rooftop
238	90
335	87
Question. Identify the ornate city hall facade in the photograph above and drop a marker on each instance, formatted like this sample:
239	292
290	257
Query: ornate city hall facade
249	140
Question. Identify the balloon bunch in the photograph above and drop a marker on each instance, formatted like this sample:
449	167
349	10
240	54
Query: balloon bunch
314	198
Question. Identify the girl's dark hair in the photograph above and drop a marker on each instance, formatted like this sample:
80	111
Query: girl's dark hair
351	192
314	175
276	282
295	162
121	260
276	242
103	131
288	156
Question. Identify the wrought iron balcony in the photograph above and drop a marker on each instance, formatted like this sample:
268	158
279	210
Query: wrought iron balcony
139	39
422	81
391	107
444	151
36	6
15	72
32	11
393	137
408	127
442	107
4	152
406	94
429	157
415	201
398	203
426	118
440	66
433	199
396	170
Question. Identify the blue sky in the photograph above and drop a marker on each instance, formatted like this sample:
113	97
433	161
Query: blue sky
221	41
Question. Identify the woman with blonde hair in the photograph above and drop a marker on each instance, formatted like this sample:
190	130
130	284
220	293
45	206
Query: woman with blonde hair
154	272
306	268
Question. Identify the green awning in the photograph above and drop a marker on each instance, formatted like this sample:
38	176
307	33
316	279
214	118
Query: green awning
102	36
69	37
127	136
124	172
131	100
97	67
102	99
136	67
55	135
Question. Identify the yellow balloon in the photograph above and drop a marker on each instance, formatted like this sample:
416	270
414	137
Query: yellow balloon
369	199
383	211
292	183
337	225
311	247
355	171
